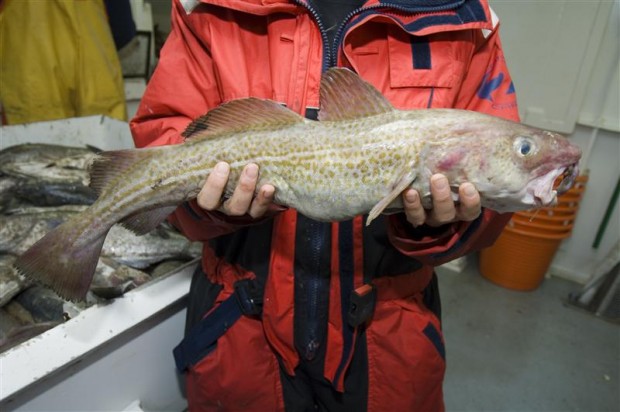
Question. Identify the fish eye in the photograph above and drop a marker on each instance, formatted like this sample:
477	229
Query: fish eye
524	146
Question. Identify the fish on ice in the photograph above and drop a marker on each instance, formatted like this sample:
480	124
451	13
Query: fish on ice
357	159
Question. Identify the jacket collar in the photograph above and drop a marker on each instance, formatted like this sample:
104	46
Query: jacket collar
420	17
413	6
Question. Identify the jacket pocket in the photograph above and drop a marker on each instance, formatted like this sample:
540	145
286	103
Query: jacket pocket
403	348
432	67
239	373
423	61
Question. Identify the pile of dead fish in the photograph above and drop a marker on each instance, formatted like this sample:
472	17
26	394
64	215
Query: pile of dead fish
41	185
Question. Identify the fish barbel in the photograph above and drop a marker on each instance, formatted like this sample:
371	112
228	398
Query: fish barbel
357	159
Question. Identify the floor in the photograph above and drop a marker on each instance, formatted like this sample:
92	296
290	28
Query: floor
525	351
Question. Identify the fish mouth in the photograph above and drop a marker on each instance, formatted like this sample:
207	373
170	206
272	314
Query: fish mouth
544	193
568	178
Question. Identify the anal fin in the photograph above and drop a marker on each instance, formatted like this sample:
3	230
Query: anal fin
142	223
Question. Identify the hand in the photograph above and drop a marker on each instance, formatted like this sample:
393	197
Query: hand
242	200
444	210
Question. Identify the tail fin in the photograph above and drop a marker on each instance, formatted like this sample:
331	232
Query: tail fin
56	262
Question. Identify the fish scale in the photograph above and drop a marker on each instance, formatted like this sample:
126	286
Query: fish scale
356	160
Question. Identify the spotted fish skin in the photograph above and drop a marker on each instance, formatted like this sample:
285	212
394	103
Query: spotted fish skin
357	159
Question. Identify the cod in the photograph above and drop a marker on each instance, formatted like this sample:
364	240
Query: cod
357	159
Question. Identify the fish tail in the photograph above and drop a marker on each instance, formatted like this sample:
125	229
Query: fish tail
58	263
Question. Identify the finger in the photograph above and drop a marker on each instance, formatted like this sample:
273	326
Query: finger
469	208
416	215
444	210
262	202
210	196
239	202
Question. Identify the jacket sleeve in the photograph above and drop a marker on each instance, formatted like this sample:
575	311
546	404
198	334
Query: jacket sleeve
182	88
487	88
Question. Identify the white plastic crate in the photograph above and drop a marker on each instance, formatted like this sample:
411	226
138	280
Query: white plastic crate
112	356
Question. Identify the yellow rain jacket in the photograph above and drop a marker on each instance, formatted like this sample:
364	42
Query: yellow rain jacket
58	60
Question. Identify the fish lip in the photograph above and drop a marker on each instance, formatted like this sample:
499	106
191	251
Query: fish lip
541	188
550	200
540	202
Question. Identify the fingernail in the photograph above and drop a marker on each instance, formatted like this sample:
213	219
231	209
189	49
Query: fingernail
411	196
440	183
251	170
268	193
469	190
221	168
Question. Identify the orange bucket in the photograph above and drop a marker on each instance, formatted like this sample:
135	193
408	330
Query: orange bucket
519	260
537	231
553	223
580	184
523	253
571	198
564	211
568	203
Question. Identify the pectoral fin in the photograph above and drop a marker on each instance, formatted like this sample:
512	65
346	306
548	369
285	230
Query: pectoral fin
403	183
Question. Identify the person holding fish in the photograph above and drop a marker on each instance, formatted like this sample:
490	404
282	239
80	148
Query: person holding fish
287	312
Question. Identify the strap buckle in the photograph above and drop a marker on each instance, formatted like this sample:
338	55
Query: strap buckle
361	305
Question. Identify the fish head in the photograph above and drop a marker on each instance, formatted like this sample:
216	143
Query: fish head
523	165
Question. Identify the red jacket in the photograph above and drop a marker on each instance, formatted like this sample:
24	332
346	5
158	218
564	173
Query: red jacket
445	55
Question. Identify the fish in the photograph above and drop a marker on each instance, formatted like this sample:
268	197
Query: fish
20	229
113	279
44	305
16	311
7	198
45	175
18	325
166	267
46	172
11	282
42	153
7	323
24	227
47	192
140	252
356	160
24	333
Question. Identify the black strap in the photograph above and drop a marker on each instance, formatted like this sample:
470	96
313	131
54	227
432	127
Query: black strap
202	338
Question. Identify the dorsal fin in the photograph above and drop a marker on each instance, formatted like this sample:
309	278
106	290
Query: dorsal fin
345	96
241	114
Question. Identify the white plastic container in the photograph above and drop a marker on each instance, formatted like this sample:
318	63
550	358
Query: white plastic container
107	358
101	132
112	357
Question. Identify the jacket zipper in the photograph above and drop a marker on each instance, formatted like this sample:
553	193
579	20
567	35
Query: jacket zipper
330	53
326	64
333	52
316	284
316	288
